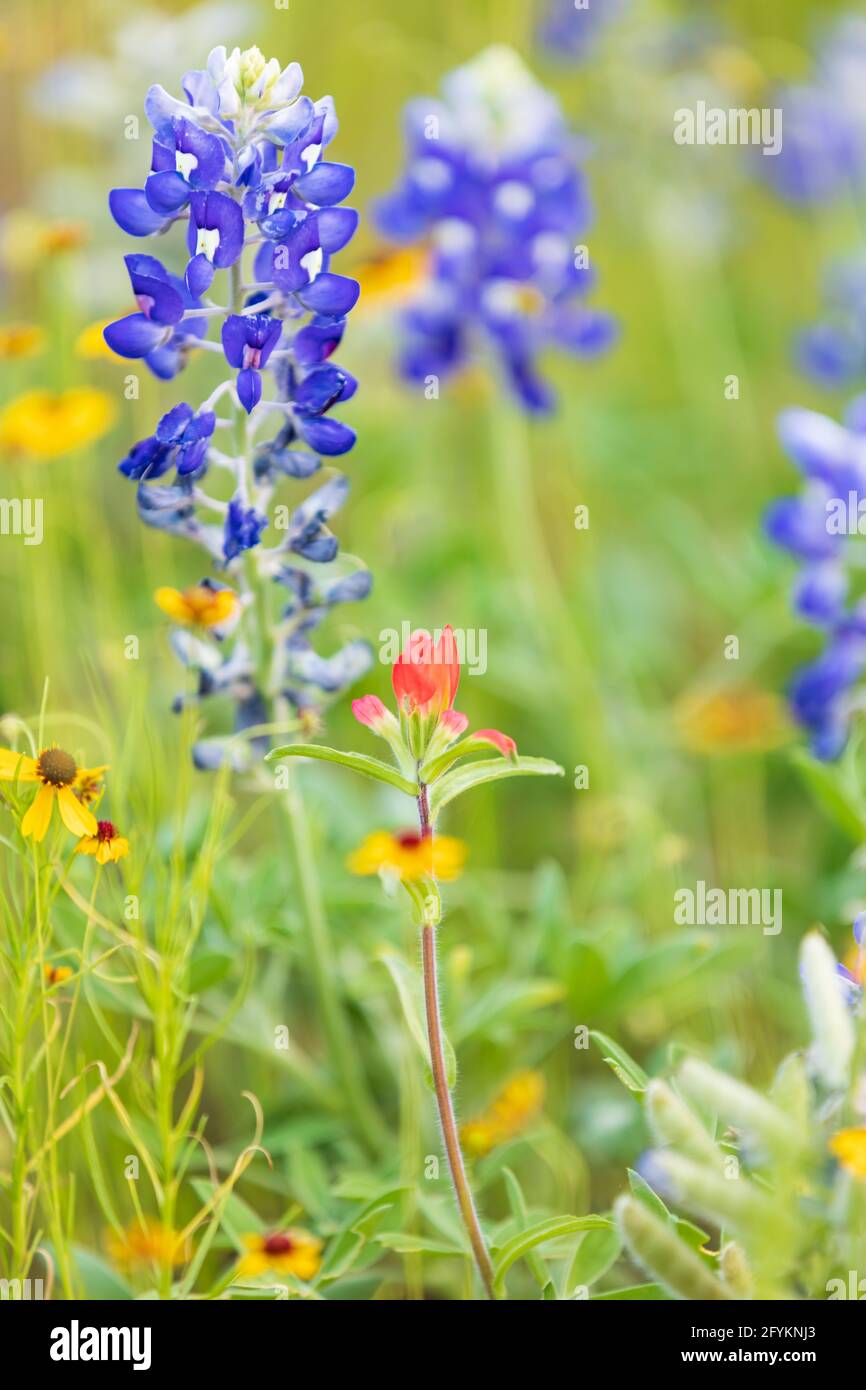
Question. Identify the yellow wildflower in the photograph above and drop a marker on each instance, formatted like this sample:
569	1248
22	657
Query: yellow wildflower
107	845
59	775
511	1111
283	1252
391	276
733	721
849	1147
57	974
199	606
21	340
144	1243
409	856
91	343
43	425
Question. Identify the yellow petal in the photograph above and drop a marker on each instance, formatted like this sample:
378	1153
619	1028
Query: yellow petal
172	602
36	821
16	765
89	774
118	848
75	816
88	845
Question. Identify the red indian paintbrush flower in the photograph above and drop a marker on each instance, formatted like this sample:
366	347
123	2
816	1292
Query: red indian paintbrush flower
425	678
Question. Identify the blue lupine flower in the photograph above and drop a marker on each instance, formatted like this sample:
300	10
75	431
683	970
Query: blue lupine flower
823	153
248	341
570	29
819	526
243	528
492	181
833	351
181	441
185	160
238	159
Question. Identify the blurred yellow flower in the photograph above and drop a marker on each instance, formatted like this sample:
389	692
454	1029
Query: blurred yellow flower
59	775
391	276
283	1252
409	856
90	342
733	721
849	1147
57	974
43	425
198	606
516	1105
21	340
26	238
144	1243
106	845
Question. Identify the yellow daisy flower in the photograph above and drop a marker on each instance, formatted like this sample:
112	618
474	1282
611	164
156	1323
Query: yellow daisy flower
57	974
511	1111
198	606
283	1252
391	276
44	426
147	1243
21	340
89	784
106	844
409	856
733	721
849	1147
26	239
90	342
59	774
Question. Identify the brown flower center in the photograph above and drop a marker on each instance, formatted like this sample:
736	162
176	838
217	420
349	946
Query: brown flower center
410	839
56	768
105	830
278	1245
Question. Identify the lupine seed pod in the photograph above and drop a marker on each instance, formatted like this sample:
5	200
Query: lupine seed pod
832	1029
673	1123
668	1260
739	1105
735	1202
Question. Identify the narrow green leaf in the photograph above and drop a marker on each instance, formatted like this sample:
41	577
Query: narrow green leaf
550	1229
488	770
831	785
644	1193
357	762
624	1067
410	990
411	1243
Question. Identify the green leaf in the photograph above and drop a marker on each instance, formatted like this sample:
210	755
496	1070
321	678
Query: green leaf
99	1279
644	1193
621	1064
517	1202
834	792
635	1293
542	1231
207	968
410	990
488	770
411	1243
595	1253
357	762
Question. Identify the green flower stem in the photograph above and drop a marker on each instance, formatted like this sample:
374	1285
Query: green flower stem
447	1119
320	953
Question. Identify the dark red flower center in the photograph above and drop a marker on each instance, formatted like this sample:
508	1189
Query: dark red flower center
278	1245
410	839
105	830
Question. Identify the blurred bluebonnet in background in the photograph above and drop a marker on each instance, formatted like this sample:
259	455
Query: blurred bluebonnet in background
820	526
493	183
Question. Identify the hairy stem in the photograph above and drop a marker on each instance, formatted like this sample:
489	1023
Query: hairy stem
447	1119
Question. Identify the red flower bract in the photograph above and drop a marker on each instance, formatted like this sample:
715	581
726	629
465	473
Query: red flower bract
425	676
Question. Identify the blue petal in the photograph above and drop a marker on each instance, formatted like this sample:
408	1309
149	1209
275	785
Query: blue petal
132	212
326	184
333	295
326	436
133	336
